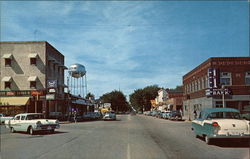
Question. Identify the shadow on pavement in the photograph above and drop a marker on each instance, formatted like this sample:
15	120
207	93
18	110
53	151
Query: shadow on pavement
229	143
232	143
40	134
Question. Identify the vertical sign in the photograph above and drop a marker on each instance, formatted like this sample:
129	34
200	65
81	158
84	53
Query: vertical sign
213	78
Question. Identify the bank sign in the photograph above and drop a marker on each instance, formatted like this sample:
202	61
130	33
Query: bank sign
217	92
51	84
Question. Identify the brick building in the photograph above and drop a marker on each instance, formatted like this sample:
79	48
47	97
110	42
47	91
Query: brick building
174	99
217	82
31	78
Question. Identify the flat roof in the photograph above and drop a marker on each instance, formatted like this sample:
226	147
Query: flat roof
209	60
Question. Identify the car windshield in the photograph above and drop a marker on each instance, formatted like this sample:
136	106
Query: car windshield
34	116
224	115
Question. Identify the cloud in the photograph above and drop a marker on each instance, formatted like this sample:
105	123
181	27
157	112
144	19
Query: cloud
130	45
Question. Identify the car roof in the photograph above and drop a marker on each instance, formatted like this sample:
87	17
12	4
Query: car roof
212	110
30	114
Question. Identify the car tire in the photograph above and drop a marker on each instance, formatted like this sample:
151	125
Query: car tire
31	131
52	131
12	130
207	140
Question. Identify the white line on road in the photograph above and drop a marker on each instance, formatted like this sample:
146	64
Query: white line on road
128	152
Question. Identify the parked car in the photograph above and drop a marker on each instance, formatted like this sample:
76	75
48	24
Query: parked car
175	115
110	115
3	118
89	116
153	113
165	115
31	123
217	123
98	115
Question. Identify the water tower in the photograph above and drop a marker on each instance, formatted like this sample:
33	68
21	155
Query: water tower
77	80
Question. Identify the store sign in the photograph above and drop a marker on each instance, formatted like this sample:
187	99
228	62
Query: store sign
52	90
217	92
52	84
50	96
34	93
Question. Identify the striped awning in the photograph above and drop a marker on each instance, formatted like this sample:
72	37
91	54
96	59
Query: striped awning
13	101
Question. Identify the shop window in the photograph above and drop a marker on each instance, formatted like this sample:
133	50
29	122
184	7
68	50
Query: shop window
32	84
8	62
218	104
33	61
247	78
225	78
7	85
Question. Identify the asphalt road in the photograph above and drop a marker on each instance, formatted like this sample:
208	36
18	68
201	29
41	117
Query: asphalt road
130	137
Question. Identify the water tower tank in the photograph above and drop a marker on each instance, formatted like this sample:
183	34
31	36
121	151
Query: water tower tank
77	70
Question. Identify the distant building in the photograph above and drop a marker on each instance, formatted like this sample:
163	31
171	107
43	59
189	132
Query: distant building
174	99
216	80
32	78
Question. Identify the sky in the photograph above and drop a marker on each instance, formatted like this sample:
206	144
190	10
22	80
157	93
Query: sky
128	45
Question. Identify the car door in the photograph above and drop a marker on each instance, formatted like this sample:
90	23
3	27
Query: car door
16	123
23	123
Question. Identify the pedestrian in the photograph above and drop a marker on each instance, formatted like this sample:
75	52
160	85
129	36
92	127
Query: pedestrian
195	114
75	116
181	112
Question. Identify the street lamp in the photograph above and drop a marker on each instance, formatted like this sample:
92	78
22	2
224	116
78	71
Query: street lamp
223	96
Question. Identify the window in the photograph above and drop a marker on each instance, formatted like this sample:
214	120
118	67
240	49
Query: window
32	84
247	78
22	117
8	62
225	78
33	61
7	85
17	118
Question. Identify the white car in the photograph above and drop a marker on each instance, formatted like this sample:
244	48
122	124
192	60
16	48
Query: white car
109	116
31	123
215	123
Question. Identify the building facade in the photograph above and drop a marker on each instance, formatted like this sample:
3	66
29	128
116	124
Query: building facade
217	82
32	78
174	99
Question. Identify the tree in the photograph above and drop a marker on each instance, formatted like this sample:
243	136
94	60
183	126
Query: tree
90	95
140	99
117	99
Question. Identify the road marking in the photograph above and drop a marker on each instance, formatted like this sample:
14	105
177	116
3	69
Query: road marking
128	152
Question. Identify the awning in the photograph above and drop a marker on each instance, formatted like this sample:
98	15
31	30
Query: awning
32	55
13	101
7	56
32	78
6	79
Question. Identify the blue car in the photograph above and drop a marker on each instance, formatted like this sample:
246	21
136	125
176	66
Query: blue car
215	123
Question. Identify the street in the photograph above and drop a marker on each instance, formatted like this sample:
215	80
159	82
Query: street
129	137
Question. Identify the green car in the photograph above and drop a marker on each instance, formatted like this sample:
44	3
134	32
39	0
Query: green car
214	123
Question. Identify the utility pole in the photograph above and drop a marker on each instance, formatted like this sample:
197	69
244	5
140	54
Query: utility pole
223	96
